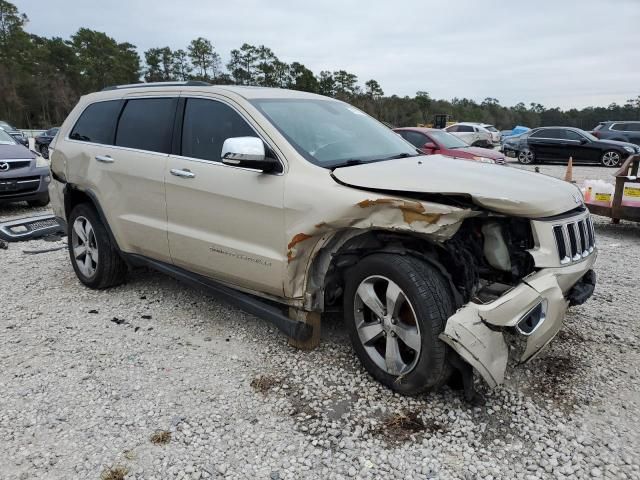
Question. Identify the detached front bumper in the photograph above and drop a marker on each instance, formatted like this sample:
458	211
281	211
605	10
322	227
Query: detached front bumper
534	309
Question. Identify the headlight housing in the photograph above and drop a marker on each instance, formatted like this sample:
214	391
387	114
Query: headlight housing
483	159
41	162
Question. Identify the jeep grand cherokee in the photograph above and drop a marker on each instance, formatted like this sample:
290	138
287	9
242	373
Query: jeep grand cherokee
308	202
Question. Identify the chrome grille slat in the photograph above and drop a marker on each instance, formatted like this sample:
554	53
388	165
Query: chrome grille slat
575	239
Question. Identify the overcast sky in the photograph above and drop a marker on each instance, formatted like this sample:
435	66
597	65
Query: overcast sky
567	53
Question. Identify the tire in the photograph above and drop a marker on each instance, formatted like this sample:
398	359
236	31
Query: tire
426	307
104	268
611	158
44	151
526	157
41	202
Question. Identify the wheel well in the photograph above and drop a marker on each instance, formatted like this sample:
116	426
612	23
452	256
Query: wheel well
73	197
326	276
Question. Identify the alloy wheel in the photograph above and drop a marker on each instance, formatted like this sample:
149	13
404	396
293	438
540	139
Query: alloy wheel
526	157
386	325
85	247
44	150
611	159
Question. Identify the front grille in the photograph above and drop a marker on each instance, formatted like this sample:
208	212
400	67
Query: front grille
18	186
575	240
13	164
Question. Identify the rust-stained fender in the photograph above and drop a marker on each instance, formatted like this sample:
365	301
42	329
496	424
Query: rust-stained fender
372	211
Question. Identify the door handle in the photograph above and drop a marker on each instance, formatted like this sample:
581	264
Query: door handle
185	173
104	158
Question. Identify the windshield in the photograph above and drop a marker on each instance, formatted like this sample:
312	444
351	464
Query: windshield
446	139
6	139
491	128
331	134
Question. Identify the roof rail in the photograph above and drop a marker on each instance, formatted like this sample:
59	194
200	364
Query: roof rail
190	83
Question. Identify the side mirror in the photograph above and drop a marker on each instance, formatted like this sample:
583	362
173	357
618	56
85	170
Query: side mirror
430	146
247	152
583	141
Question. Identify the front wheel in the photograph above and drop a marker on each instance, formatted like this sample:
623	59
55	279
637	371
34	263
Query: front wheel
395	307
44	151
526	157
94	257
611	158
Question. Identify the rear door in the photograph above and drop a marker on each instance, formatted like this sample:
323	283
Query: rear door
224	222
118	149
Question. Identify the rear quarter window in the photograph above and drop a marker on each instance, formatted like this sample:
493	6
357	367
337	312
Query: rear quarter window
97	124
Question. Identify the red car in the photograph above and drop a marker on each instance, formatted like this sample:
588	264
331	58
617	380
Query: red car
432	140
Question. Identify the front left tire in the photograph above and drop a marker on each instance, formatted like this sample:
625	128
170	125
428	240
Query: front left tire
395	307
611	158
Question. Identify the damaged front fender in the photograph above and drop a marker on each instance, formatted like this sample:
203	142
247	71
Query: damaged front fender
371	212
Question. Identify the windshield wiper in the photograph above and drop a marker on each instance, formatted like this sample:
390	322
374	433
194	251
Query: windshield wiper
399	155
346	163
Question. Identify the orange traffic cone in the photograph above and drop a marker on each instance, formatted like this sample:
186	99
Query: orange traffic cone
568	177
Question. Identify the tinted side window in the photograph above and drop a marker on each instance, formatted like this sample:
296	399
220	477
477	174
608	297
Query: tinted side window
146	124
453	128
416	139
633	127
554	133
571	135
207	124
465	128
97	123
618	126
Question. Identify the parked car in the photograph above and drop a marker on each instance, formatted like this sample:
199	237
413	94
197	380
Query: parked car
432	140
309	202
24	176
475	134
627	131
15	133
43	140
557	144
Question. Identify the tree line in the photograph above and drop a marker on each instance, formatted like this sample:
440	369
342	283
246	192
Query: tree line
42	78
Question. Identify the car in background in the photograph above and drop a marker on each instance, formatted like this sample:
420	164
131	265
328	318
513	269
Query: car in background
43	140
626	131
17	135
431	140
24	176
557	144
475	134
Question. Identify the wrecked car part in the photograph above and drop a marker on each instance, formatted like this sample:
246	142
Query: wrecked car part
495	248
30	228
582	290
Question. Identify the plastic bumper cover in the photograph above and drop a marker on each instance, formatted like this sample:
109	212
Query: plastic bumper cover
475	331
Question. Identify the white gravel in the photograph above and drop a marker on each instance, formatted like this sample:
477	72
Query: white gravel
86	379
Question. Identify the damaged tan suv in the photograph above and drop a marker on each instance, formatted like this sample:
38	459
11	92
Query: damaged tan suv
291	204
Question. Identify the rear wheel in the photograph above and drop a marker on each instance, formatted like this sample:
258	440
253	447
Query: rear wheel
526	157
611	158
395	307
94	257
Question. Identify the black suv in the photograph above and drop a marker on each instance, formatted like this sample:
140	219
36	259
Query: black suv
627	131
557	144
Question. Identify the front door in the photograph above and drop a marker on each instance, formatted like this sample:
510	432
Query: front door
224	222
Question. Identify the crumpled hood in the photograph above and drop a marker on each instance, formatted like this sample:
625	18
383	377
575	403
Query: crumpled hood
8	152
511	191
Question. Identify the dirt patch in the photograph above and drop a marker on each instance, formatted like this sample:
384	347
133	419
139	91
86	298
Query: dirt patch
557	374
161	437
264	383
114	473
401	426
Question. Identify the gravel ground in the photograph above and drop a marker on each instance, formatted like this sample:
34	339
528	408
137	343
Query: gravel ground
154	380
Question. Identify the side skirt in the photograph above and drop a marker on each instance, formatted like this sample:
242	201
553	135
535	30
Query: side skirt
292	328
